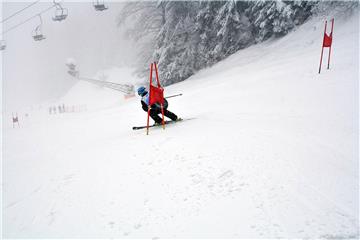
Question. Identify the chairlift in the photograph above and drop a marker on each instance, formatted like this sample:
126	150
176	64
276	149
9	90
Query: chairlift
2	45
60	12
99	5
37	34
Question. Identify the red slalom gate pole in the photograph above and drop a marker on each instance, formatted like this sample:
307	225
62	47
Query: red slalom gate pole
322	48
147	123
332	28
162	106
148	116
162	113
157	75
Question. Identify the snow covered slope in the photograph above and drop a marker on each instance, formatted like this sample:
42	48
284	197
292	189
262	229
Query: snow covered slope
272	152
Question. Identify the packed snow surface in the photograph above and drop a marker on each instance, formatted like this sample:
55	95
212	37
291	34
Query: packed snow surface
271	151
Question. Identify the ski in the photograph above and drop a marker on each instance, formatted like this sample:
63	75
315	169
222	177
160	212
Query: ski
166	123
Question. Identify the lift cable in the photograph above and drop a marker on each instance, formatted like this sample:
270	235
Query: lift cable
14	14
36	15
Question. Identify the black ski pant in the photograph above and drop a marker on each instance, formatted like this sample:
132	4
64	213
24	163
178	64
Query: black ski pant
154	114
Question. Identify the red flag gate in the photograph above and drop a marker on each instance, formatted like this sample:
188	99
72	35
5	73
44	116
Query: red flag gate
156	95
327	42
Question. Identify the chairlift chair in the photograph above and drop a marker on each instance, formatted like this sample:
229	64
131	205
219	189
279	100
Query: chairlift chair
99	5
2	45
37	34
60	14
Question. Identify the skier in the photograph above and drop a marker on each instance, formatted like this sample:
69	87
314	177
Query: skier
155	109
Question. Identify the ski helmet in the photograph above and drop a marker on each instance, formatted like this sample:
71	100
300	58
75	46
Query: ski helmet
141	90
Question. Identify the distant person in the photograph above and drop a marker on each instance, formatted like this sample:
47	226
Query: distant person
155	109
15	119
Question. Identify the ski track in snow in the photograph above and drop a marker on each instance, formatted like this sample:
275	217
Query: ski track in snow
276	157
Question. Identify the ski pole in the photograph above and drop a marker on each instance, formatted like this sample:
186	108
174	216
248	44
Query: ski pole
176	95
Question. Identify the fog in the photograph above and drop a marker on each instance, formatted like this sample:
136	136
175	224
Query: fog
34	71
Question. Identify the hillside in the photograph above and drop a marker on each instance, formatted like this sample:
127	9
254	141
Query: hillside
272	152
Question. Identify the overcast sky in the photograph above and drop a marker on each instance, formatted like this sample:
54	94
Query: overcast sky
34	72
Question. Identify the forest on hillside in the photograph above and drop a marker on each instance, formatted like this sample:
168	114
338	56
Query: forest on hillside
186	36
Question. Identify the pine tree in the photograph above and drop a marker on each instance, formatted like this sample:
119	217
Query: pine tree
175	42
204	28
233	30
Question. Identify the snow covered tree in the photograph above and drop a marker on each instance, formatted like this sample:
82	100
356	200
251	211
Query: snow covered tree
326	8
233	30
206	36
277	18
146	19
